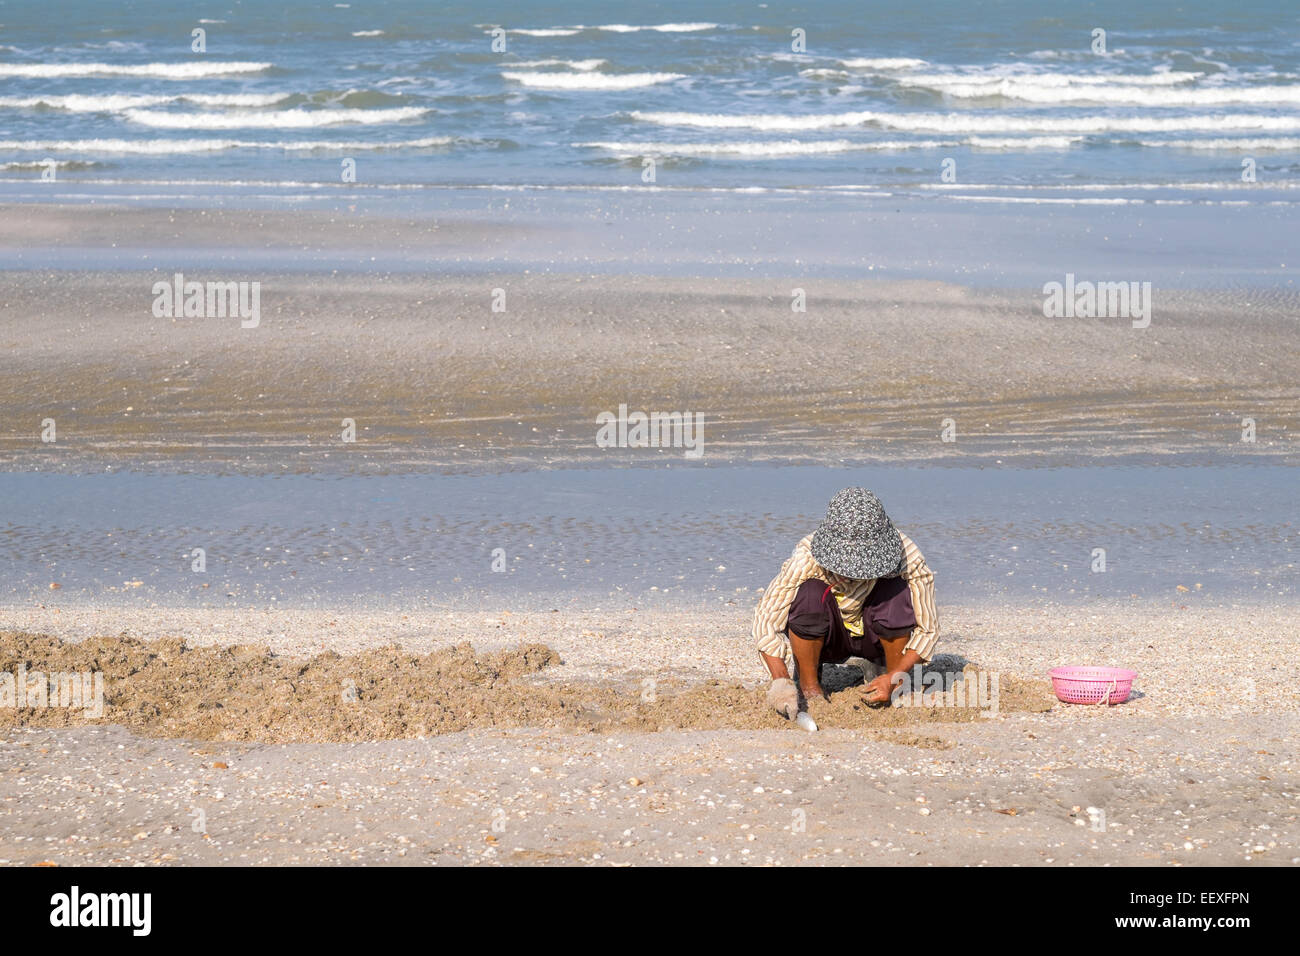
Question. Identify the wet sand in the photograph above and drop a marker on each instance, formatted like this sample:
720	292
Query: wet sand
435	379
606	538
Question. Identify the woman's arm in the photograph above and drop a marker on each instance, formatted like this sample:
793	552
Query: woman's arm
773	611
775	666
920	582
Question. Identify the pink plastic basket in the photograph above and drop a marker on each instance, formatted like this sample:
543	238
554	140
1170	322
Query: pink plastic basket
1092	685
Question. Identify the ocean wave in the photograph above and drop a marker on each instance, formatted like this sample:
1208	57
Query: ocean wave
784	57
826	72
116	45
590	81
1237	145
162	147
883	63
1065	89
583	65
546	32
66	164
658	28
613	28
994	75
354	99
970	122
367	33
762	121
283	119
1095	123
1023	142
780	148
111	103
234	99
1060	200
166	71
754	150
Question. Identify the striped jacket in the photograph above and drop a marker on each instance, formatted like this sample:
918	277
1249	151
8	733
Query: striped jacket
773	608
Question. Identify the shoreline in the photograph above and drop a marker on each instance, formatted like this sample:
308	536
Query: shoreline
990	244
613	538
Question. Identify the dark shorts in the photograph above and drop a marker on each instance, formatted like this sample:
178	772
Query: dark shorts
815	615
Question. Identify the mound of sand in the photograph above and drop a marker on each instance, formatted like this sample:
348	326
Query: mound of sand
165	688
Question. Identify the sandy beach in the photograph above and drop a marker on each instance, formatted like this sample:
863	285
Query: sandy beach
1174	776
438	436
345	683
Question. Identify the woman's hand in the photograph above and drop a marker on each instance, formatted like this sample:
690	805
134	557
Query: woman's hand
879	691
783	697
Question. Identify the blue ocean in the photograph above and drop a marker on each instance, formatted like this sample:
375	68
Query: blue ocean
1099	102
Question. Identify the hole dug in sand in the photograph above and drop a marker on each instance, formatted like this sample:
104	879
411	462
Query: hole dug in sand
165	688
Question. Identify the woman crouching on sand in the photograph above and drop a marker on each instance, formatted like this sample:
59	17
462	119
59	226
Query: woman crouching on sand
855	587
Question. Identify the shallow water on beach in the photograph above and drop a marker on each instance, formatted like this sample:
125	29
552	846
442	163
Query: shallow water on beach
634	537
682	232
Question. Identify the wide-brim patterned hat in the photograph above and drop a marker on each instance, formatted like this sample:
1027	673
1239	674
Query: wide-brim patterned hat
857	539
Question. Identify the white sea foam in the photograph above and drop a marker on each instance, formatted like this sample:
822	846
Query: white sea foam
795	57
75	103
1156	89
753	150
590	81
1237	145
1054	200
1023	142
283	119
166	71
234	99
992	76
570	64
883	63
970	122
1127	95
779	148
658	28
367	33
84	104
759	121
613	28
44	164
550	32
1097	123
162	147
